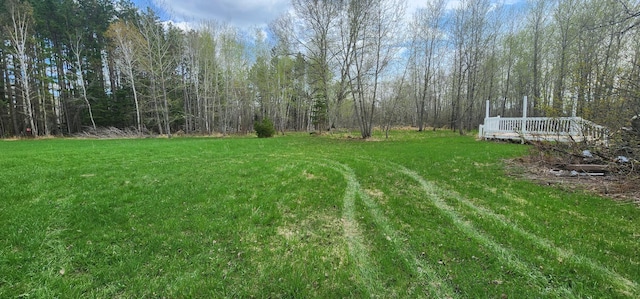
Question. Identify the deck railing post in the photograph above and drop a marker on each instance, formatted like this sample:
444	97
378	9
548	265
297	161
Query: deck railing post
524	115
486	115
486	121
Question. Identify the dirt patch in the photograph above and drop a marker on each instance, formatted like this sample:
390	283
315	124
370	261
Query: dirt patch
374	193
622	187
287	233
309	176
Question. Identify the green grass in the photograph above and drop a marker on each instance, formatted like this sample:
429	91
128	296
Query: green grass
421	215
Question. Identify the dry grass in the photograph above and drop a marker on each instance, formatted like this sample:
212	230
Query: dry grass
624	187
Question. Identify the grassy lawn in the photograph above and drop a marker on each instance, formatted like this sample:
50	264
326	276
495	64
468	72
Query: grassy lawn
422	215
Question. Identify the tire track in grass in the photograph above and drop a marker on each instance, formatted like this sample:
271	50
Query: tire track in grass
355	240
438	288
352	234
505	255
624	285
367	275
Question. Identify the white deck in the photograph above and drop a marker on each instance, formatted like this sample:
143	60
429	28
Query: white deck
560	129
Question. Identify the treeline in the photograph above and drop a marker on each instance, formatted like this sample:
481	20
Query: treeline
69	66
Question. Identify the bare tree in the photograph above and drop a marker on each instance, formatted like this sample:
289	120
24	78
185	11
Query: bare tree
159	62
314	36
564	18
537	20
20	17
126	38
205	77
427	38
630	15
372	27
473	35
235	104
76	49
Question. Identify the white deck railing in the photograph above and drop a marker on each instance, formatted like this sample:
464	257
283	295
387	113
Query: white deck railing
563	129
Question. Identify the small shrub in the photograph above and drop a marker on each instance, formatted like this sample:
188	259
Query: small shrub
264	128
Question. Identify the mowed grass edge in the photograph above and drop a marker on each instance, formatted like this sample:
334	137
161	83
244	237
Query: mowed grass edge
427	215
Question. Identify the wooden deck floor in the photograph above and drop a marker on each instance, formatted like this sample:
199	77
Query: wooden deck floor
533	137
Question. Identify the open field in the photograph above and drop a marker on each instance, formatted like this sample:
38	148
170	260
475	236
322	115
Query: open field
422	215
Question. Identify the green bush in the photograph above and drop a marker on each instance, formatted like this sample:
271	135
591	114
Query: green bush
264	128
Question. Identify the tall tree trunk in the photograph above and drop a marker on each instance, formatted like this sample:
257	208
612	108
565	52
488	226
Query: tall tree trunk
165	102
11	97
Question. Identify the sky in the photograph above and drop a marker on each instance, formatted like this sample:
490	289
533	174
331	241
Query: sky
246	13
240	13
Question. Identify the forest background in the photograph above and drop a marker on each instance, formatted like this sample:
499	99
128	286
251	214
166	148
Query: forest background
73	66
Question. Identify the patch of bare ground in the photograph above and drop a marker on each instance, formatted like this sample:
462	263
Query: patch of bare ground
616	184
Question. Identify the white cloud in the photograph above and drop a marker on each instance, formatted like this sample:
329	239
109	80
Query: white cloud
258	13
184	26
241	13
413	5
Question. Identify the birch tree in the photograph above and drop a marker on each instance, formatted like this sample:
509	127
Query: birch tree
207	79
18	30
159	63
236	112
126	39
76	49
